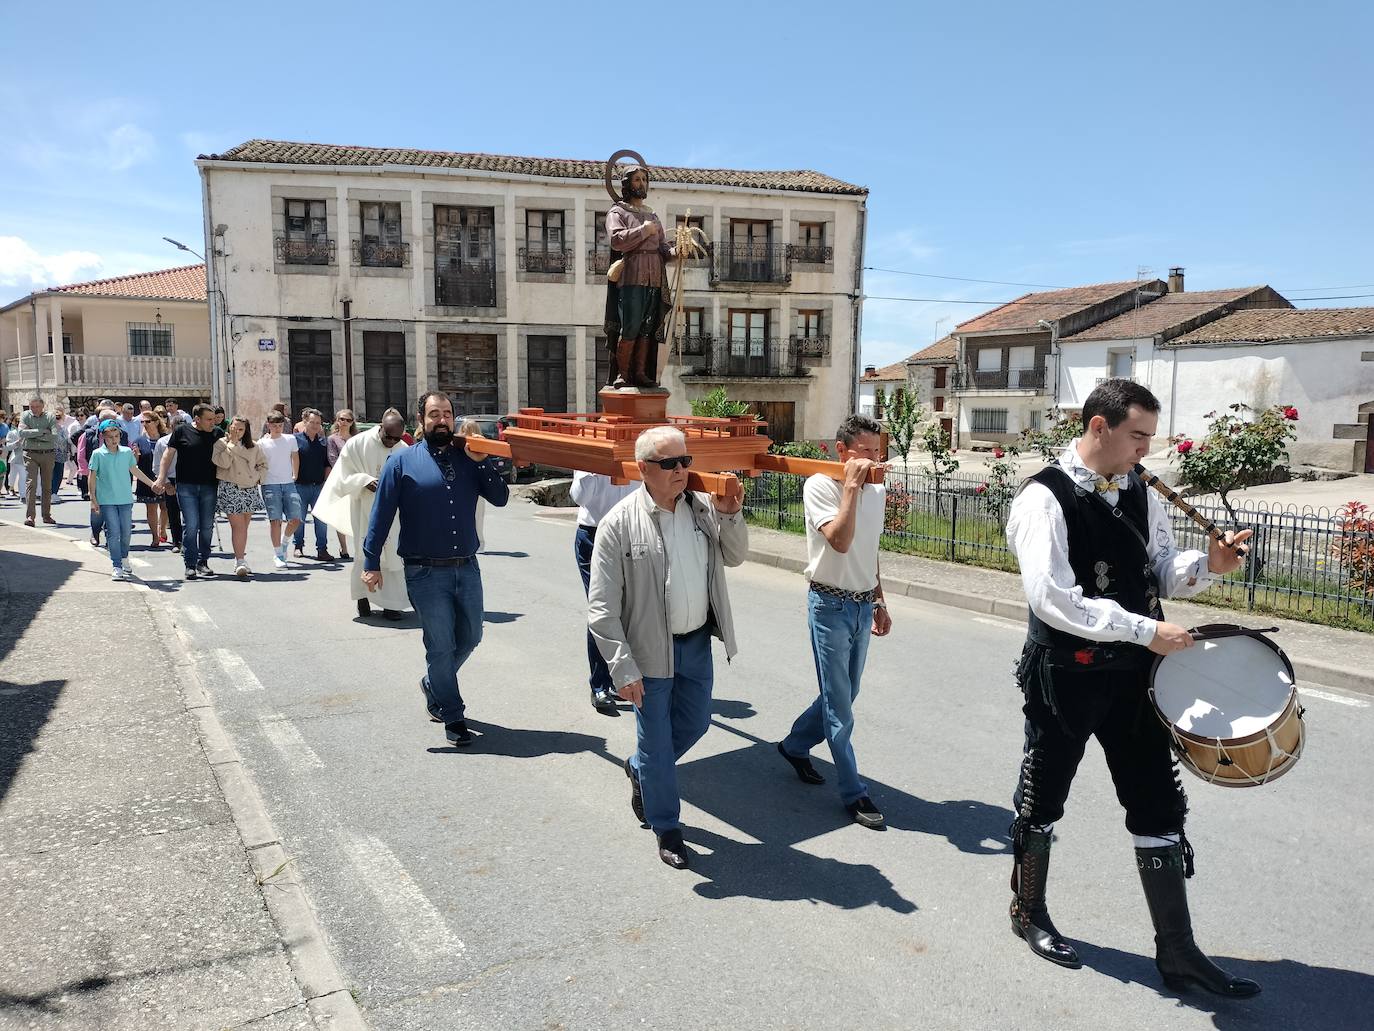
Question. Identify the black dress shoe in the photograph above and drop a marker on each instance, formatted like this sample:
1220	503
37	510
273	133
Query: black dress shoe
865	813
603	703
458	733
672	850
636	796
806	773
391	614
364	607
436	714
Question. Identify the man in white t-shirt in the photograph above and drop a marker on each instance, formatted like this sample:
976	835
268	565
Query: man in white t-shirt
279	489
844	520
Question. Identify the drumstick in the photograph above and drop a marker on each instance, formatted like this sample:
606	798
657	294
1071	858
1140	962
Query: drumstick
1209	527
1231	631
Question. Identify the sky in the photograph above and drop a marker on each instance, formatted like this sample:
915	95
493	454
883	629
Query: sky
1053	145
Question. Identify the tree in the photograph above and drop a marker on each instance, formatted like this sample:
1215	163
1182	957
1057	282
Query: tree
716	404
942	460
901	415
1237	451
1000	486
1059	430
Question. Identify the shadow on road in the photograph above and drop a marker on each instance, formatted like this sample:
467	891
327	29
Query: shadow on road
518	743
501	617
1295	994
504	554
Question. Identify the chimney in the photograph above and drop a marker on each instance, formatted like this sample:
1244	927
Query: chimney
870	370
1176	280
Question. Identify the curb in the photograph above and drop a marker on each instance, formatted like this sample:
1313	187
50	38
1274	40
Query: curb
1325	673
326	994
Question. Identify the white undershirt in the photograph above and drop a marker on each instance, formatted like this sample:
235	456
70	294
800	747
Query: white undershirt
1039	538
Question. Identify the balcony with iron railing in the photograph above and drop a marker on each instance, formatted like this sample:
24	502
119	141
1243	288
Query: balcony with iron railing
1000	379
692	346
719	360
811	346
545	260
471	284
374	254
598	260
294	251
751	263
811	254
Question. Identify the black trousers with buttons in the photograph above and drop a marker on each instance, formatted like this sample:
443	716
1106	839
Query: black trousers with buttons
1063	709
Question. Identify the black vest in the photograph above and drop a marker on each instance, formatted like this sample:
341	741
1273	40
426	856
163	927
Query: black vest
1109	558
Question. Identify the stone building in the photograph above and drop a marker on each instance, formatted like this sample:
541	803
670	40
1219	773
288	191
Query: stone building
484	276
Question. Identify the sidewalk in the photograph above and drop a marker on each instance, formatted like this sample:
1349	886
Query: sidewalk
137	861
1320	655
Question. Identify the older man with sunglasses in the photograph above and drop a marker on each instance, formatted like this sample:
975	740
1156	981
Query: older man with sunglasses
656	599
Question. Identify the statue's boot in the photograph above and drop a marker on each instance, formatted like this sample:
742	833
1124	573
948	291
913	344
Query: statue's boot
639	376
624	352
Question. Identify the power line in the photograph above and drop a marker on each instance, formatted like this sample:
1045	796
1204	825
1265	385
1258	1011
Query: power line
1058	304
965	279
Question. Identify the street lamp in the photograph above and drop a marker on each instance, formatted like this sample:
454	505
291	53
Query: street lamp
1053	329
182	247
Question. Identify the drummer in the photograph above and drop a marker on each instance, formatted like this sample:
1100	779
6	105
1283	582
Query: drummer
1097	553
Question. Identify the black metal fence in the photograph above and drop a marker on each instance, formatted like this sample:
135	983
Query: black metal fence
1295	565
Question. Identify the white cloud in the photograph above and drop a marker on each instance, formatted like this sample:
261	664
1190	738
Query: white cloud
23	267
128	145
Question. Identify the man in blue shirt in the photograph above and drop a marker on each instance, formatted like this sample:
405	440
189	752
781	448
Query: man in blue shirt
313	453
434	487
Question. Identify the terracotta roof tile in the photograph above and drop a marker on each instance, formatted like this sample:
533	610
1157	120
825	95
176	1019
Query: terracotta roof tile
944	349
1265	324
186	283
895	371
279	152
1027	310
1165	313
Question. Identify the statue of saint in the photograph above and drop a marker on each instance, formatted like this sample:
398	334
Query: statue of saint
635	323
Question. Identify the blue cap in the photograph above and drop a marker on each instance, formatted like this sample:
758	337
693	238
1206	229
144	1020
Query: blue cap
108	424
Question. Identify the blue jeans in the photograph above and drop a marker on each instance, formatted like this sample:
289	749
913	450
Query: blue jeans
674	715
197	501
449	602
309	493
57	469
281	501
582	550
840	630
119	526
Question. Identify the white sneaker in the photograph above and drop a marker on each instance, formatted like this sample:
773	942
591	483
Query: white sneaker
242	571
279	560
126	565
118	574
204	570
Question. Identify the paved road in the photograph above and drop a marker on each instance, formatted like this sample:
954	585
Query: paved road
508	885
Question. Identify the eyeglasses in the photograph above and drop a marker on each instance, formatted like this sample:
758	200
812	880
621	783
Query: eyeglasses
669	464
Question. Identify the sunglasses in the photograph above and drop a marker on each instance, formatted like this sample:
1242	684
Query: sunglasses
669	464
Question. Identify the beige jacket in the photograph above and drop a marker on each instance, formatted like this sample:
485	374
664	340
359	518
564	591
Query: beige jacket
627	608
243	466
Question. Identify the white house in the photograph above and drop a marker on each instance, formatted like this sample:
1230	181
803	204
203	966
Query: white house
365	275
887	379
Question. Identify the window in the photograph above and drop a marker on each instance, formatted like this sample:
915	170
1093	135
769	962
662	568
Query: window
467	370
384	373
544	242
750	254
599	257
694	342
306	241
989	359
381	235
989	420
748	342
312	368
940	372
465	256
150	339
809	322
548	373
810	246
939	402
603	369
1122	364
1021	357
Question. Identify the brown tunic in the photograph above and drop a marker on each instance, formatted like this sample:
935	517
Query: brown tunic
644	259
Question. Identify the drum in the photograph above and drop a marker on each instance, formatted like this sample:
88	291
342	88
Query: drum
1230	703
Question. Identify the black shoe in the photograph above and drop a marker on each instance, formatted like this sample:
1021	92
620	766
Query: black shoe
806	773
1030	920
636	796
603	703
321	556
436	714
191	574
672	850
458	734
345	557
865	813
364	608
391	614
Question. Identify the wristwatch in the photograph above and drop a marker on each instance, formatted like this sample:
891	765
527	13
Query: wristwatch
880	604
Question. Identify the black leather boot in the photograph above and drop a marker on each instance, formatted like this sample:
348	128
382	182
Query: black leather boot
1181	963
624	354
1030	920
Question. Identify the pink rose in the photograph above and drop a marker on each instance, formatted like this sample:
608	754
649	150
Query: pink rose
1290	413
982	488
997	452
1183	446
825	448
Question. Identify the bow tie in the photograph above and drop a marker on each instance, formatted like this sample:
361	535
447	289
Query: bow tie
1106	486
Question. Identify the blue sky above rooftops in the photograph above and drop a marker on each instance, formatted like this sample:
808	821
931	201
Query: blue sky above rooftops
1059	145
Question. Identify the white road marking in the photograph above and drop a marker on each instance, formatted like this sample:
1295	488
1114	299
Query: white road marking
195	614
1004	624
420	925
237	670
141	563
1327	696
289	742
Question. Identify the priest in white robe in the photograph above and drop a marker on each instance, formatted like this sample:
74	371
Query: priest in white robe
346	500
